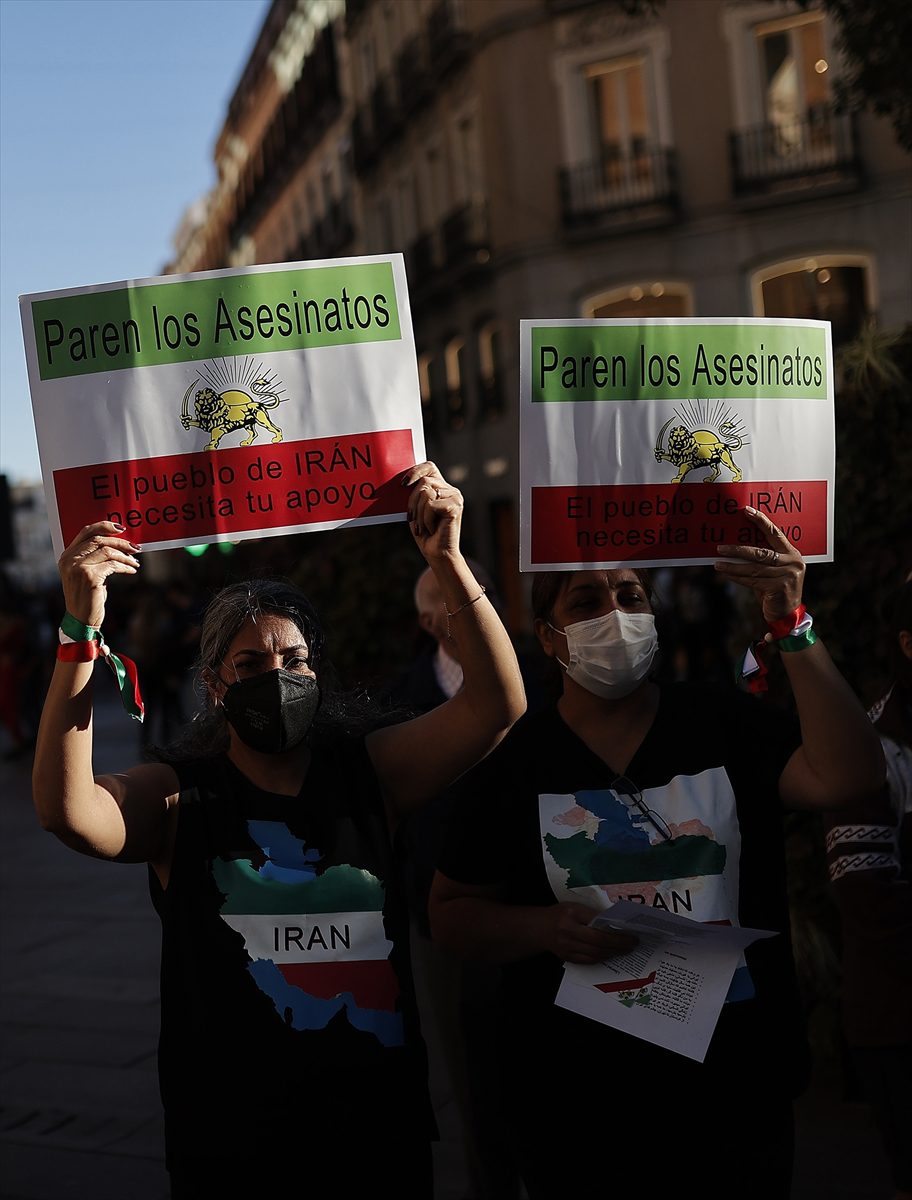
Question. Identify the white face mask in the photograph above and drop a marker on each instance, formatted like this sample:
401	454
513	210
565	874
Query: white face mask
610	655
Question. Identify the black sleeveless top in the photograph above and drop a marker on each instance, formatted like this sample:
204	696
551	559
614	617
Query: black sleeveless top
288	1012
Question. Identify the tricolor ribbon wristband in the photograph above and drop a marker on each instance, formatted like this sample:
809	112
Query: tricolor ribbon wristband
84	644
791	634
794	625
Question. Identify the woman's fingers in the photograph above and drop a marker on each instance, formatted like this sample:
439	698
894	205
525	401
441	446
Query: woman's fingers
775	571
431	499
778	549
97	552
90	540
577	940
97	556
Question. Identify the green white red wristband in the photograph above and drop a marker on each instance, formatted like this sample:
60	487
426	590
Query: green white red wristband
791	634
84	643
794	632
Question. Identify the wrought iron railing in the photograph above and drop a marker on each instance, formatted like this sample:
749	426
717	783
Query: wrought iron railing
788	153
448	35
623	179
412	72
465	234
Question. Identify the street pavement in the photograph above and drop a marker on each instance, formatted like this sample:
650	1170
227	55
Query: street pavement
79	1107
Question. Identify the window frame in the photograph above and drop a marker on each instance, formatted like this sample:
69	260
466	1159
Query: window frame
613	295
794	266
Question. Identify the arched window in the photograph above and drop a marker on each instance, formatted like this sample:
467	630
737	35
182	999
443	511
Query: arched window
491	403
427	391
454	359
838	288
650	298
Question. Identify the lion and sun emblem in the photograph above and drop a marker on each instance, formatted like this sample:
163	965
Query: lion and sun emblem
234	395
703	438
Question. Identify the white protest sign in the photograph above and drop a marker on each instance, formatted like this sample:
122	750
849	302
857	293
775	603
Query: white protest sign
228	404
642	440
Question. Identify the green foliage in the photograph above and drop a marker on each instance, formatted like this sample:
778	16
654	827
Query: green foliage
873	550
874	37
872	555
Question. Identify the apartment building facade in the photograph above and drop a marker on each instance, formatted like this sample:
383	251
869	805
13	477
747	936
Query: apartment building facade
557	158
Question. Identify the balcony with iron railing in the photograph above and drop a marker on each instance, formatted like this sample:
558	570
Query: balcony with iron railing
635	185
423	259
448	36
788	159
491	399
384	108
455	409
308	246
335	229
465	235
452	253
363	143
304	115
413	75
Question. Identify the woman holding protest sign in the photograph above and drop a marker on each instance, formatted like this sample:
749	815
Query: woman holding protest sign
289	1033
665	796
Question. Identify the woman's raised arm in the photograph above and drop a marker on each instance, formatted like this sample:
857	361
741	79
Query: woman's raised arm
418	759
118	816
840	758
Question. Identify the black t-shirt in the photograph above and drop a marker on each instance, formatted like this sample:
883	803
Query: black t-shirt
538	819
288	1016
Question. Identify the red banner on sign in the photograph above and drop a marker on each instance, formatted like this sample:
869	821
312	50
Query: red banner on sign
633	522
241	489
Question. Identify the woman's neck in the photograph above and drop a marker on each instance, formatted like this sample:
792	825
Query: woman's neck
612	729
283	774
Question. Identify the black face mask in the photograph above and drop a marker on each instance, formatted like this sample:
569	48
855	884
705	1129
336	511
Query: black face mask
274	711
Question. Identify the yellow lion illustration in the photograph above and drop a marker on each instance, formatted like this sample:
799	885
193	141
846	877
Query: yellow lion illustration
700	448
219	413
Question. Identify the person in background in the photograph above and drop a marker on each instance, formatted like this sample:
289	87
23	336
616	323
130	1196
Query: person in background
456	993
669	796
20	668
289	1046
869	858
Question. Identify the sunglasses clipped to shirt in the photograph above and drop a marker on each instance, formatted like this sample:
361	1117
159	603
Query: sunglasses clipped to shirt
628	792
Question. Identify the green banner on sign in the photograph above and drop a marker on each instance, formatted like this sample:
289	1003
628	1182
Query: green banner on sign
218	317
677	362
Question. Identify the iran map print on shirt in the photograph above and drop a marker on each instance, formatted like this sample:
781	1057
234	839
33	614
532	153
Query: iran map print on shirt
315	940
599	848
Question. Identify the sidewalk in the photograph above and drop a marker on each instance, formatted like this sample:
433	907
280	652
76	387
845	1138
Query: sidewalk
80	1116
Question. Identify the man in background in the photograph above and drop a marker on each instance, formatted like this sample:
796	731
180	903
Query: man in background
454	992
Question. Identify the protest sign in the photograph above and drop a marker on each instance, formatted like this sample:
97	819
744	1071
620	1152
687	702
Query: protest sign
642	440
228	404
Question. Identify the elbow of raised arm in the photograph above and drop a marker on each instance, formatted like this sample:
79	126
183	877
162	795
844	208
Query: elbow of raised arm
871	767
50	821
505	708
863	775
513	709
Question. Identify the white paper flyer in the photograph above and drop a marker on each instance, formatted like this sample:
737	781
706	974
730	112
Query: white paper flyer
670	988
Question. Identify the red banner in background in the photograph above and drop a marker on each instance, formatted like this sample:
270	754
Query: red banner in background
626	522
240	489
